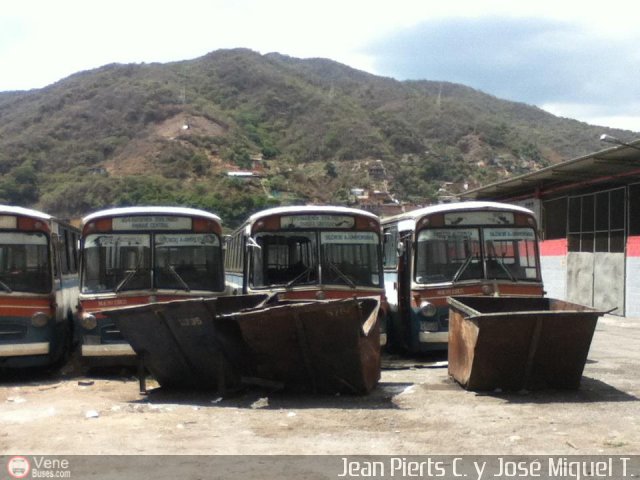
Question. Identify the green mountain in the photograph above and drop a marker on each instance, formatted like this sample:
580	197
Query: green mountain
170	133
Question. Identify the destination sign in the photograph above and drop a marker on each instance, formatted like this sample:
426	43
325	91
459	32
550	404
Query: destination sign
317	221
479	218
444	235
8	221
187	240
151	222
117	241
368	238
19	238
497	234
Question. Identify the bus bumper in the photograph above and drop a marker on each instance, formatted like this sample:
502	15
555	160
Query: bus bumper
108	350
24	349
433	337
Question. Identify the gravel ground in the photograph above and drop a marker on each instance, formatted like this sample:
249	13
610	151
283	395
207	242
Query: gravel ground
416	409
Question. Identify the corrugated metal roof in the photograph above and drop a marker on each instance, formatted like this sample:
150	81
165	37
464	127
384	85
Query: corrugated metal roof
617	165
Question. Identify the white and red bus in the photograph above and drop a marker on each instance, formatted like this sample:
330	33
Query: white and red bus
467	248
38	287
307	252
139	255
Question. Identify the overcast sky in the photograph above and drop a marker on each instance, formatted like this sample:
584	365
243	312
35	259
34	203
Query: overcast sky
575	59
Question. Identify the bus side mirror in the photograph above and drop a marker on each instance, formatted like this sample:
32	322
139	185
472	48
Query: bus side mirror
400	248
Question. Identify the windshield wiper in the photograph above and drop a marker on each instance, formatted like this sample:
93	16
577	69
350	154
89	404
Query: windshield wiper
300	276
504	267
341	275
125	280
5	287
179	278
463	267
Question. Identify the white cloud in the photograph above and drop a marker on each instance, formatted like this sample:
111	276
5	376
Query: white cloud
595	115
42	41
531	60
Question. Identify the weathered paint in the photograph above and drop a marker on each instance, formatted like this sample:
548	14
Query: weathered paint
553	248
597	279
632	274
608	282
516	343
328	294
580	278
323	346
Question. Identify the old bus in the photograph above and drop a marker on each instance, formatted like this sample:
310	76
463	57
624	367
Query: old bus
140	255
307	252
38	287
467	248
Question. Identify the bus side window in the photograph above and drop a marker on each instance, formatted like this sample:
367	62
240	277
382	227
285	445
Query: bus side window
72	254
390	247
56	255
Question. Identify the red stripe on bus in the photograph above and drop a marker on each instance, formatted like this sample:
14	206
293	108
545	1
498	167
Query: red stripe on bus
329	294
439	296
553	248
93	305
24	307
633	247
25	312
25	302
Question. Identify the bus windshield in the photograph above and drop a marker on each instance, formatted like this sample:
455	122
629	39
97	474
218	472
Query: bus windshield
458	254
24	262
189	261
351	258
119	262
448	254
510	253
291	258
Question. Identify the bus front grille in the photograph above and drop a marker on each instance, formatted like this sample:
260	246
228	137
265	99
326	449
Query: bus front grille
12	331
111	334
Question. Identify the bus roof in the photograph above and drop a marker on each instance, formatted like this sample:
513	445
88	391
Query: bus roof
453	207
306	209
119	212
7	209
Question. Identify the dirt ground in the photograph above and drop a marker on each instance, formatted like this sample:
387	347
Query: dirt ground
416	409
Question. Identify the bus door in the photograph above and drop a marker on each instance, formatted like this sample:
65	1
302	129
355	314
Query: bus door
405	254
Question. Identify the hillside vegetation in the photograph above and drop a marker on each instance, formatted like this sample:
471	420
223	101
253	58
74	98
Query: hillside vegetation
169	133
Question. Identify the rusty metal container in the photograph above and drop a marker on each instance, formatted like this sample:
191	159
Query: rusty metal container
319	346
514	343
179	343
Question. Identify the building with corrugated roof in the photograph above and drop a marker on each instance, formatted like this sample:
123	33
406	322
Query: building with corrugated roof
589	217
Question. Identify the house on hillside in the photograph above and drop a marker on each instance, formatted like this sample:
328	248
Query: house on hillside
376	170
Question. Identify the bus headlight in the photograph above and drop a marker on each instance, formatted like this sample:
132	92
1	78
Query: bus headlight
39	319
88	321
428	309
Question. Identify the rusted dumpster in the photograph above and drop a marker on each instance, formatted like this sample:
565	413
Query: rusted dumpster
319	346
518	343
179	343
